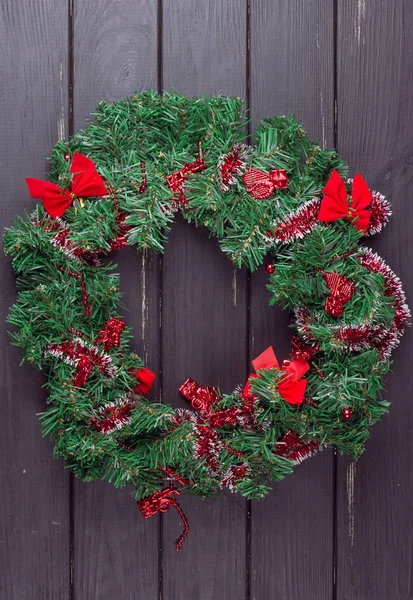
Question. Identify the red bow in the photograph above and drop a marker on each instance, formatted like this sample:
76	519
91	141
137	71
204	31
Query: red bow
201	398
341	290
86	182
110	335
261	184
291	387
334	204
145	377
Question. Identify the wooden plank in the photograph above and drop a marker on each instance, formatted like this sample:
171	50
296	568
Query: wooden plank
375	120
204	305
292	71
116	550
34	522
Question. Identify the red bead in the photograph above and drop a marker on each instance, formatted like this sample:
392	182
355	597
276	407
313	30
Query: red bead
66	156
270	269
347	414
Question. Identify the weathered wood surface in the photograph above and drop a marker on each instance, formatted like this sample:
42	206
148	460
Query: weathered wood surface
333	530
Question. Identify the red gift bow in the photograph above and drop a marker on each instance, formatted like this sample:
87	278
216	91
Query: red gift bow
261	184
334	204
291	387
110	334
201	398
86	183
341	291
145	377
162	501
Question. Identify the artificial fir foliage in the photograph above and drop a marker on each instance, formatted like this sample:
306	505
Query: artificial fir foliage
284	198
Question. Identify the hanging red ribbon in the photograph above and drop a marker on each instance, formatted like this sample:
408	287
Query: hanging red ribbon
110	335
341	291
86	183
260	185
176	180
334	204
291	387
162	501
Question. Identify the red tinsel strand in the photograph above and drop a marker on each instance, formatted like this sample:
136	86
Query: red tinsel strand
112	416
232	163
162	501
185	522
291	446
142	186
232	451
85	300
297	224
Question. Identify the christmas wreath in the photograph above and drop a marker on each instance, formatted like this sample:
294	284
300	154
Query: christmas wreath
120	182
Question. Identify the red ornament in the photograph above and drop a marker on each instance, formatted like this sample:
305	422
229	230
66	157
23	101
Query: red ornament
341	291
86	183
66	156
334	204
347	414
260	185
270	269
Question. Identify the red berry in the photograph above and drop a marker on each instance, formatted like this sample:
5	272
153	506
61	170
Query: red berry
347	414
66	156
270	269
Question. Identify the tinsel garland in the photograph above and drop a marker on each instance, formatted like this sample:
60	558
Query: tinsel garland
120	182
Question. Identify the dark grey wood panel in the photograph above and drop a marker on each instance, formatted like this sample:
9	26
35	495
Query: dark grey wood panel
375	122
204	304
115	549
292	71
34	523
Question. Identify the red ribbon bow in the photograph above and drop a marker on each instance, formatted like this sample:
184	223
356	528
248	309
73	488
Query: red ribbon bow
176	180
334	204
86	183
110	335
261	184
201	398
145	377
162	501
341	291
291	387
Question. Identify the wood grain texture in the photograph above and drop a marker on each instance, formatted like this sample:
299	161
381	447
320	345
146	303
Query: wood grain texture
292	71
375	122
115	549
34	513
204	312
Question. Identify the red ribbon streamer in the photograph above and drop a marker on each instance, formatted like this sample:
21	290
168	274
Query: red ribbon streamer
162	501
260	185
176	180
86	183
334	204
341	291
291	387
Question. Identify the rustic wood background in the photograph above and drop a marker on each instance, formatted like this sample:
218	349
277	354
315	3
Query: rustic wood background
335	529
